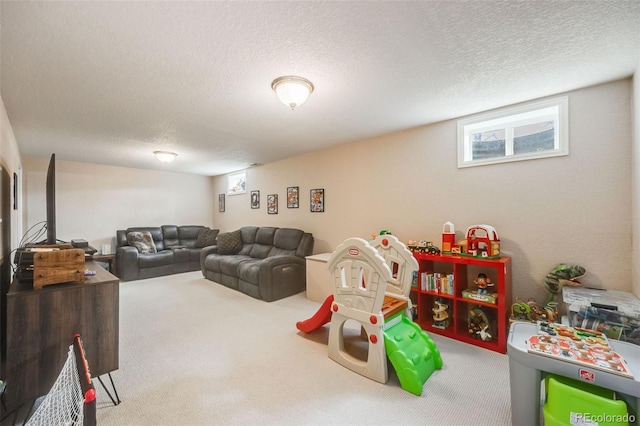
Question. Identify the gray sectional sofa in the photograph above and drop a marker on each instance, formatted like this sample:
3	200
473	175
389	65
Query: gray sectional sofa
169	249
266	263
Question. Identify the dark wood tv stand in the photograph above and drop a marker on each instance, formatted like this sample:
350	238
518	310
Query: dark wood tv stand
41	325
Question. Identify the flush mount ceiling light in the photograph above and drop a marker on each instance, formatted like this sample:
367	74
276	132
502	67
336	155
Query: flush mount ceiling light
165	156
292	90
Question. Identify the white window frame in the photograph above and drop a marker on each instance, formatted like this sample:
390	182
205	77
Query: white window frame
237	183
556	110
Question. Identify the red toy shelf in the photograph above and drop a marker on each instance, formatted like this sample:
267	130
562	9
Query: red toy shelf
462	310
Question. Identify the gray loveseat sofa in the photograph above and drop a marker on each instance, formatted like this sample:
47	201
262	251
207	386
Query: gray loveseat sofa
264	262
169	249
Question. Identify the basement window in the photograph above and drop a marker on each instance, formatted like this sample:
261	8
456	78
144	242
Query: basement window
534	130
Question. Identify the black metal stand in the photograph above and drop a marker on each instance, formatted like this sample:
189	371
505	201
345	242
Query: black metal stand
115	401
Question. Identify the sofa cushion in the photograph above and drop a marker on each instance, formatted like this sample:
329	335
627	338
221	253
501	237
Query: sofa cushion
142	241
195	257
265	235
287	238
248	235
260	251
188	234
170	236
263	242
161	258
181	255
229	242
207	237
212	262
229	264
250	271
286	242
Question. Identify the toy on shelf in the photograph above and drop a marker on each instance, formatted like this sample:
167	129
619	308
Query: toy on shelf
449	239
422	247
485	335
483	282
531	311
482	241
382	232
366	291
479	325
440	314
481	291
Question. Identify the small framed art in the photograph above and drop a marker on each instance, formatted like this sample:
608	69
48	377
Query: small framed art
293	197
272	203
255	199
221	203
317	200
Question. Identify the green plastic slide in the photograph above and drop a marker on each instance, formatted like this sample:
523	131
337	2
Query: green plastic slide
412	353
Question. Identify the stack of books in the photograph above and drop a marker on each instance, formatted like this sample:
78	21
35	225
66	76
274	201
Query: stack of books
438	283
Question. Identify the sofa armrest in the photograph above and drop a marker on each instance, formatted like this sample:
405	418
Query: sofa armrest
204	252
282	276
121	238
127	263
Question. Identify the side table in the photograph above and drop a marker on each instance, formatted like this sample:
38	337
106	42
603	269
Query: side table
319	281
109	259
43	323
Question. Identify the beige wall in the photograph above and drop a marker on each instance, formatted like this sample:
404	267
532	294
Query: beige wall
93	200
10	159
574	209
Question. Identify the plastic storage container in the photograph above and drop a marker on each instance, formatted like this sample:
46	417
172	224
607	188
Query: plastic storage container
571	402
615	313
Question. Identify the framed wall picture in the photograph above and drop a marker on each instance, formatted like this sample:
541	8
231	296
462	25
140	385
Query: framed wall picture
293	197
272	203
237	183
317	200
255	199
221	203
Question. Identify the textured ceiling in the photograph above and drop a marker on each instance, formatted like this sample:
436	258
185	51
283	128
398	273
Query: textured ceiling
110	82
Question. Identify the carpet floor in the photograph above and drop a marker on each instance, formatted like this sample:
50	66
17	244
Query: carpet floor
195	352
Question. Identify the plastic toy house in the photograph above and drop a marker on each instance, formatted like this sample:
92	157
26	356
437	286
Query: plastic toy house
372	287
483	241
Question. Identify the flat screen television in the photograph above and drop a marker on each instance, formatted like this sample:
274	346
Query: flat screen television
51	201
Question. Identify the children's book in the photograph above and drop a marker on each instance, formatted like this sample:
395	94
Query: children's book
589	348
